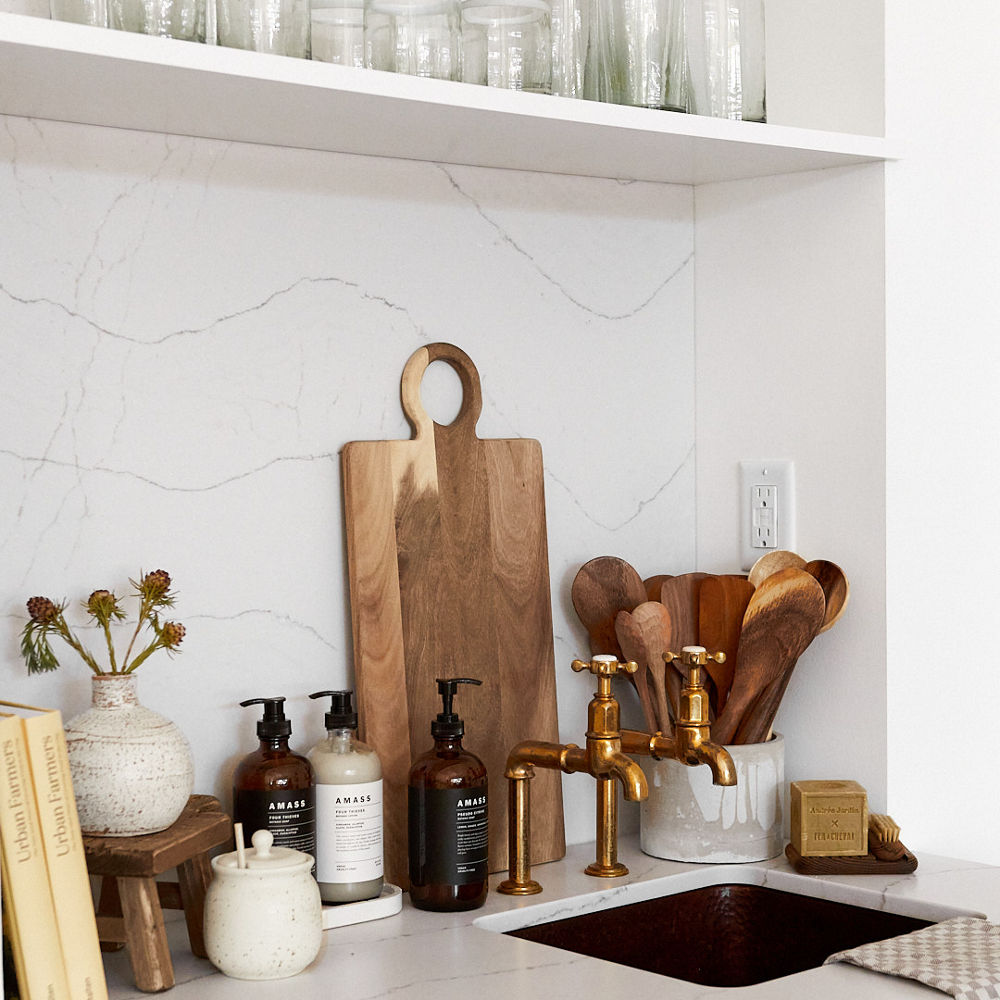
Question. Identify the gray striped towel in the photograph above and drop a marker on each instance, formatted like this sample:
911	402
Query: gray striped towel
960	957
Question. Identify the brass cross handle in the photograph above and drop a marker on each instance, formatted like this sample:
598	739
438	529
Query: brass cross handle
605	665
694	656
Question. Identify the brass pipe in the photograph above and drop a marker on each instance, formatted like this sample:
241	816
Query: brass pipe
519	882
607	864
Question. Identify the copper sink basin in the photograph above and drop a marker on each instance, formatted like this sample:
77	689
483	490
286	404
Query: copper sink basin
722	935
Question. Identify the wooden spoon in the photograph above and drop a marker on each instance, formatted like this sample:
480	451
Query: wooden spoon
773	561
722	602
653	622
835	588
784	614
603	587
633	646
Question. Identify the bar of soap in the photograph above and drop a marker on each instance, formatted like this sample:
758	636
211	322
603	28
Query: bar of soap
829	819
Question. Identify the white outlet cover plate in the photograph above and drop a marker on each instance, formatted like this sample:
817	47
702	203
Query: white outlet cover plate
779	474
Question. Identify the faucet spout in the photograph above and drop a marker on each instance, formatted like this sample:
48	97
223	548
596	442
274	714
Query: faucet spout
719	762
631	776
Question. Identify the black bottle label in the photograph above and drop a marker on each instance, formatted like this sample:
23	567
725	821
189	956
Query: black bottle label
290	815
449	835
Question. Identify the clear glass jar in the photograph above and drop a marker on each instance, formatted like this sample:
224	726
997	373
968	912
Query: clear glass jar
92	12
508	44
641	37
417	37
184	19
601	76
725	57
280	27
338	31
570	31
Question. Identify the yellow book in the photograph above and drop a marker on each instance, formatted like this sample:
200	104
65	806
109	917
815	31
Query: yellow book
31	913
64	854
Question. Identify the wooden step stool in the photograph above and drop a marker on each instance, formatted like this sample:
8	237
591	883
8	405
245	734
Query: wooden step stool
130	912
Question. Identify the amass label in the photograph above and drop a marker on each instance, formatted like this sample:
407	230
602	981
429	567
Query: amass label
449	835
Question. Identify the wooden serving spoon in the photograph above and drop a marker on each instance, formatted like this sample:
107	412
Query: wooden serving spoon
835	586
632	641
603	587
773	561
722	602
784	614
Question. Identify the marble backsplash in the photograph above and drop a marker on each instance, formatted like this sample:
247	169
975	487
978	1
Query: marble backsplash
192	329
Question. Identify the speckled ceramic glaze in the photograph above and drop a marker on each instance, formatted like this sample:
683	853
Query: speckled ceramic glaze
687	818
264	921
132	768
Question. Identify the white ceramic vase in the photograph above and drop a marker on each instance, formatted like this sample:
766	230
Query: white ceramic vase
132	769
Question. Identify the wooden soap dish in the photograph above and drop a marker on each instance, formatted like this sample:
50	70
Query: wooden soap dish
886	854
862	864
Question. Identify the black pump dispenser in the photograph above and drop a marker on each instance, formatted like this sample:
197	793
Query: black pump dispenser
273	725
341	714
447	722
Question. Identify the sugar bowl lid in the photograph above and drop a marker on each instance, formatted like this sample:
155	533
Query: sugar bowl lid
264	856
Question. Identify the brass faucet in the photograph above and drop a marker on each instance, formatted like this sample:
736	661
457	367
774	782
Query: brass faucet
607	756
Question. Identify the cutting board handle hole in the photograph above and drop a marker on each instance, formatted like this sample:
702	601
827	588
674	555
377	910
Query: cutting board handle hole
441	392
440	384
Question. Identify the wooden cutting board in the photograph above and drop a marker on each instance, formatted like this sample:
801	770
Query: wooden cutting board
449	577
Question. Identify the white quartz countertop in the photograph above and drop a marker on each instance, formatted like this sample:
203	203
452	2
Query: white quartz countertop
416	954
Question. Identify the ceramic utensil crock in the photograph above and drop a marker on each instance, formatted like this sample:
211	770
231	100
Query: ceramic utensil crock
264	921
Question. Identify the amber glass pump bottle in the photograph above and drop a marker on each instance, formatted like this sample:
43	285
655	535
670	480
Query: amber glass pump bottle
273	787
448	816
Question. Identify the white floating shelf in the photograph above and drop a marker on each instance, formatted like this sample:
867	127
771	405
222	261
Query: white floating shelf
69	72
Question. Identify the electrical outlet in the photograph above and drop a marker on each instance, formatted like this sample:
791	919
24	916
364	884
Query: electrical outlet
767	509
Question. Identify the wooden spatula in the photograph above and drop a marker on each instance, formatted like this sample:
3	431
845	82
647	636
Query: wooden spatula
722	602
653	584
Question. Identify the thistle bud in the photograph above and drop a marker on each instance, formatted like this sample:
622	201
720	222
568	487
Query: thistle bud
172	634
102	604
155	584
42	610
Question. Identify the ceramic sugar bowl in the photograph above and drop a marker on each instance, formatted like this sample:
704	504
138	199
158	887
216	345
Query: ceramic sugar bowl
264	920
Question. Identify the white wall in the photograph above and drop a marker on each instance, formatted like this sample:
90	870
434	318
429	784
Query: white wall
191	330
789	314
943	445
